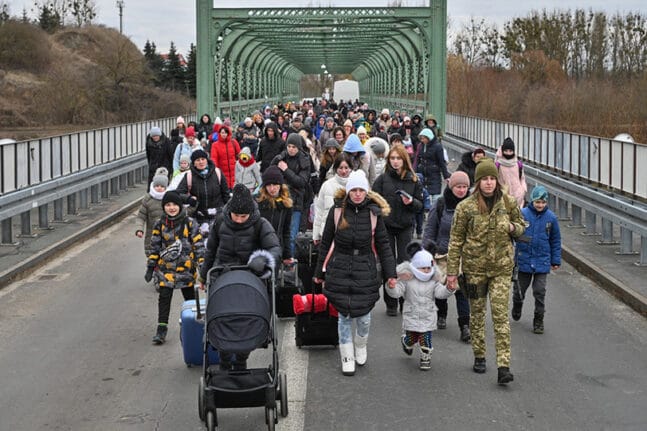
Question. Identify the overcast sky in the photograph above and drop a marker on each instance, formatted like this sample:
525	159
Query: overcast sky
165	21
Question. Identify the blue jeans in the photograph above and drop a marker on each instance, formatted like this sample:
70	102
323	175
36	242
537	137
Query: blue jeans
294	229
345	327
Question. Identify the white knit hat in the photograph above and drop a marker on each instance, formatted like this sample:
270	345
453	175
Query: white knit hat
361	129
357	180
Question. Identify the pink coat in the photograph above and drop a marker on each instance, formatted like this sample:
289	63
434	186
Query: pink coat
510	178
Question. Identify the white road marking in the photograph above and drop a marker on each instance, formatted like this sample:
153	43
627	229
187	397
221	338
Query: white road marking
294	362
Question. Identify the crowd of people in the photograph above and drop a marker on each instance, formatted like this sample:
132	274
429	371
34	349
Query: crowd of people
386	215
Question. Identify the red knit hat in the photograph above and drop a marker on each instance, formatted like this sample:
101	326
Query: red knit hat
190	131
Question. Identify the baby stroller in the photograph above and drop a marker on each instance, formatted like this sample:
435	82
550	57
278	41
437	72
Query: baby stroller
240	318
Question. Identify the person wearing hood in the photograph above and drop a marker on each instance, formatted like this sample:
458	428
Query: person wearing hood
177	134
328	131
401	189
537	252
159	152
353	242
437	230
429	160
204	188
294	163
320	127
340	169
378	149
271	146
420	285
275	205
240	236
175	253
511	171
432	124
204	127
248	135
361	159
150	209
224	153
248	172
384	121
331	150
469	159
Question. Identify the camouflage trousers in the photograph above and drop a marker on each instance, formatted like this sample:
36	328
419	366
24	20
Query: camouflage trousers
499	294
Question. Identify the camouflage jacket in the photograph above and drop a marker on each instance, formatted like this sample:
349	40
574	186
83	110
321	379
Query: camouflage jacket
482	241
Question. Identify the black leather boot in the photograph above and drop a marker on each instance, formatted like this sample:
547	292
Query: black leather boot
538	324
505	376
479	365
516	310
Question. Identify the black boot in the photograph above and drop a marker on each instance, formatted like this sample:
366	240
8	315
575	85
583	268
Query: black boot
516	310
442	322
479	365
466	336
160	336
538	324
505	376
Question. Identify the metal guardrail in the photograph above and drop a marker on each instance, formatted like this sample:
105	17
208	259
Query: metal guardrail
614	164
611	209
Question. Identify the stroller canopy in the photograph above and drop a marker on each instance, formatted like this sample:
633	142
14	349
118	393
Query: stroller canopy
238	312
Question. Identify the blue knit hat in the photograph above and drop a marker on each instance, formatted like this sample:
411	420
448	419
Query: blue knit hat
353	145
539	193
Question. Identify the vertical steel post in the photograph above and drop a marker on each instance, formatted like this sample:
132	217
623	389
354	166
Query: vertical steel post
643	251
25	224
576	213
58	210
626	242
607	233
563	209
71	203
205	79
94	194
591	224
43	219
7	234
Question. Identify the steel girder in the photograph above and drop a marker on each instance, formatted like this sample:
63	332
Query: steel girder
250	56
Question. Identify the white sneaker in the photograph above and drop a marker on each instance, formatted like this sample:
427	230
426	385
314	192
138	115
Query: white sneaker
360	349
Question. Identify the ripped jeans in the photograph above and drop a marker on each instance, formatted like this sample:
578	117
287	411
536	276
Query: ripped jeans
345	327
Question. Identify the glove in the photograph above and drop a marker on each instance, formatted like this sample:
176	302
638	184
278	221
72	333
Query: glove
257	265
149	275
192	201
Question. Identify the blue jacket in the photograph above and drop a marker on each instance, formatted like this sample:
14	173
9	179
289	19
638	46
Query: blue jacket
541	244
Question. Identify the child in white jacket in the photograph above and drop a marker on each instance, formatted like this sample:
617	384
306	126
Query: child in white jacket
419	284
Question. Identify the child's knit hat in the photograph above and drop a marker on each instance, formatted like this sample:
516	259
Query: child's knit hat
241	201
161	177
539	193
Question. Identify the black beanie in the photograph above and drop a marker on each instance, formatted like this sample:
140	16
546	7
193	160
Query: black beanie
172	196
241	201
272	175
508	144
198	154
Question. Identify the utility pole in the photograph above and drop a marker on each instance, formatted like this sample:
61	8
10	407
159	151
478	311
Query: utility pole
120	5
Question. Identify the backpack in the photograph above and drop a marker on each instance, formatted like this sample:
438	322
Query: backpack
519	165
189	178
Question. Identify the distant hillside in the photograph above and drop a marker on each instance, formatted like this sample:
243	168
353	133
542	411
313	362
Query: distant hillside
76	78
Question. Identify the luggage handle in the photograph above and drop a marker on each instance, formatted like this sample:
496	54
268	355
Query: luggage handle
196	290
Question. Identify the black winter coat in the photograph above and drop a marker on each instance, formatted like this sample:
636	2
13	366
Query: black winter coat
439	226
430	162
209	192
352	282
280	218
203	130
268	149
468	166
297	175
402	216
159	154
232	243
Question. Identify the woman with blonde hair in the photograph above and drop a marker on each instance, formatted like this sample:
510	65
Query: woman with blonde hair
275	205
400	187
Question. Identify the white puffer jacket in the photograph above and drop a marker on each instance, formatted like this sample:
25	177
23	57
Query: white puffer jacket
324	201
419	310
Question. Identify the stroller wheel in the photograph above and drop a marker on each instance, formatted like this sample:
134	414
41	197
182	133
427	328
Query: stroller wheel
270	418
283	394
211	421
201	406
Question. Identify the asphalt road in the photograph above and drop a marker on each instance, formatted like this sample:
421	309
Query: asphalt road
75	354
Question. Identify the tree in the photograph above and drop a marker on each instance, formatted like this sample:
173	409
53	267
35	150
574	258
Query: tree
4	12
83	11
48	18
191	71
154	62
173	71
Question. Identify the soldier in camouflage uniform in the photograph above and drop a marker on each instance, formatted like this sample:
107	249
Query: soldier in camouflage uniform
481	239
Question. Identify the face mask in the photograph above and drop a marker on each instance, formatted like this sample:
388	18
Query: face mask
508	156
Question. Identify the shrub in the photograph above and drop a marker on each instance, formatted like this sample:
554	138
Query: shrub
24	47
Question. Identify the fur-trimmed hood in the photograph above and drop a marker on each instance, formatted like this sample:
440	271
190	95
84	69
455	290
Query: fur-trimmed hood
378	204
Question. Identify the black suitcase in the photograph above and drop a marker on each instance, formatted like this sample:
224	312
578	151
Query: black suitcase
316	329
289	285
307	254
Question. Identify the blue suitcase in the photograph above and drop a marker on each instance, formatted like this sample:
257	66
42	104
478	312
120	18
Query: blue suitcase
192	334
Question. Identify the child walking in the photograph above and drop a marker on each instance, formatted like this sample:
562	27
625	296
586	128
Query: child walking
538	252
151	209
176	250
248	172
419	284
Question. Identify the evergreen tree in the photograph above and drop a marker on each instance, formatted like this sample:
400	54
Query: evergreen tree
173	70
191	71
154	62
48	18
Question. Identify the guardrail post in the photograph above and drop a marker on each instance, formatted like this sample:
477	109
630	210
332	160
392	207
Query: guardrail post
563	209
607	233
576	213
43	219
591	224
7	234
643	251
114	186
83	199
58	210
71	203
131	179
123	182
94	194
105	189
25	225
626	242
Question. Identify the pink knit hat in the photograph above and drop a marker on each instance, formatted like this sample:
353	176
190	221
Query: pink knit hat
458	178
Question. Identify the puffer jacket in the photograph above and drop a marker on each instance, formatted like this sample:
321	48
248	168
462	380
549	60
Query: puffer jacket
232	243
224	154
297	175
270	148
419	311
437	229
430	162
280	217
150	211
159	154
402	216
179	272
468	166
352	282
207	189
541	245
324	201
484	241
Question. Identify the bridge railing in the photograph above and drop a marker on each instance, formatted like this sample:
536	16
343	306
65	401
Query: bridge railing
614	164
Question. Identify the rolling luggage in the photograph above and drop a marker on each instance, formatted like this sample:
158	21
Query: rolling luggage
289	285
316	328
306	254
192	333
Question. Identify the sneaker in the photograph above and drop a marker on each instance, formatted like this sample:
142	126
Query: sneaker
505	376
466	336
425	364
408	350
516	310
479	365
442	322
160	336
